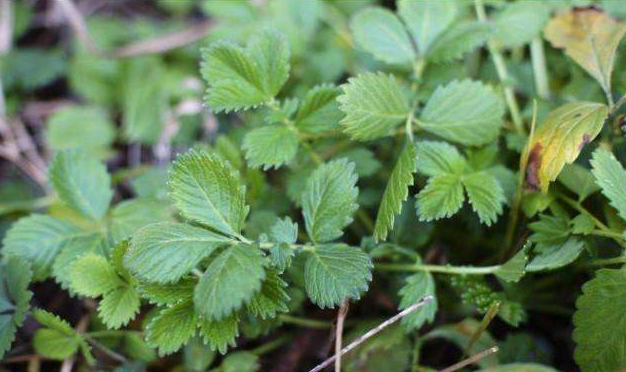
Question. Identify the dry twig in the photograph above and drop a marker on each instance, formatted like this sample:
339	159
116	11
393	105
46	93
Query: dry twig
341	317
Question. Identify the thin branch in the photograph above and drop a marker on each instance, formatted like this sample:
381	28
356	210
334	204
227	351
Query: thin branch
471	360
341	317
373	332
77	23
6	25
484	323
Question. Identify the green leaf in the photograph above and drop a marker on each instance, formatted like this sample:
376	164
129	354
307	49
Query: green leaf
467	112
578	180
271	299
427	19
436	158
583	224
208	190
80	127
551	257
416	287
74	248
129	216
168	294
329	200
381	33
611	177
91	275
270	146
82	182
240	361
374	104
119	306
485	195
15	276
319	111
560	138
365	162
164	252
396	192
56	340
172	328
197	356
38	239
230	281
457	40
284	232
520	22
519	367
514	269
336	272
599	330
242	78
220	334
441	198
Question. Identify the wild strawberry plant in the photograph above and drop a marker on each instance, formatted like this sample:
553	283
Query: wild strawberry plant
368	158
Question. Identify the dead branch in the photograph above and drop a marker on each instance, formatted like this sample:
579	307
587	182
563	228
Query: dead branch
471	360
341	317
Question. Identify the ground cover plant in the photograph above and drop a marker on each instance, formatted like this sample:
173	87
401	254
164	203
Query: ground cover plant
240	186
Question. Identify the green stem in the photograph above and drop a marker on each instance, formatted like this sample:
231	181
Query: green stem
503	75
540	71
271	345
304	322
578	207
443	269
114	355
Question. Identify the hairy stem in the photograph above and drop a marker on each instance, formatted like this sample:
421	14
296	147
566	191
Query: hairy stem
443	269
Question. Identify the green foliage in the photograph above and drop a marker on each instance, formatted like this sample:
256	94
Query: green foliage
270	146
56	339
610	176
15	275
82	127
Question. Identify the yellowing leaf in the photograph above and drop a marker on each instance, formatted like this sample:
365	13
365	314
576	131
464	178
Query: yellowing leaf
559	140
590	37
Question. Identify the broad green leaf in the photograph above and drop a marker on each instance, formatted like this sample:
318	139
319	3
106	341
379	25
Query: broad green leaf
271	299
374	104
458	39
560	138
80	127
396	192
86	243
270	146
164	252
172	328
129	216
554	256
82	182
269	50
319	110
168	294
520	22
436	158
611	177
119	306
427	19
578	180
240	361
380	32
208	190
485	196
515	268
15	276
56	340
416	287
329	200
441	198
336	272
590	37
91	275
219	334
38	239
599	330
230	281
520	367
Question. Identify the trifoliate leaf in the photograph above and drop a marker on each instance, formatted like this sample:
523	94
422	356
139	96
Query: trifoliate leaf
467	112
15	275
415	288
208	190
164	252
374	105
319	110
554	256
172	328
329	200
590	37
230	281
82	182
485	196
131	215
336	272
514	269
270	146
560	138
119	306
396	192
56	340
598	323
38	239
240	361
242	78
520	22
578	180
219	334
441	198
611	177
380	32
427	19
80	127
436	158
272	297
91	275
457	40
168	294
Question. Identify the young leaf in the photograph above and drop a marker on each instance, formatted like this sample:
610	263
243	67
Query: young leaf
590	37
514	269
86	243
457	40
219	334
230	281
441	198
82	182
598	323
164	252
208	190
272	297
374	105
561	138
396	192
329	200
269	50
427	19
336	272
466	112
172	328
485	195
119	306
381	33
611	177
270	146
319	110
38	239
436	158
15	275
91	275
